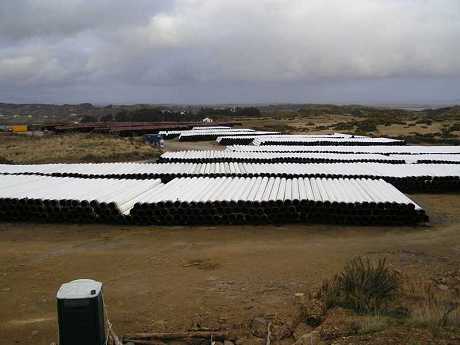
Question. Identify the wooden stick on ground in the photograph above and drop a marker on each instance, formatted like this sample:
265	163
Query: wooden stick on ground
177	335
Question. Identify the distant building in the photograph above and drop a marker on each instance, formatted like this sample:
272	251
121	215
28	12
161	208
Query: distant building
207	120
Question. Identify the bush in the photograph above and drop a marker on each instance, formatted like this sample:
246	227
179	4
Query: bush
344	126
455	127
362	286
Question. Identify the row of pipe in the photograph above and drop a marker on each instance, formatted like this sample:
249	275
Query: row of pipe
205	200
304	157
210	128
73	200
213	135
261	200
350	141
406	177
247	140
236	140
175	134
167	135
271	157
379	149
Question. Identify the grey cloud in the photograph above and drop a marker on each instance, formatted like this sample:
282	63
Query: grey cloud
26	19
222	50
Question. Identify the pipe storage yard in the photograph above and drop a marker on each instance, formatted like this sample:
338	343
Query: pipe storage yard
264	177
331	140
204	200
412	150
407	177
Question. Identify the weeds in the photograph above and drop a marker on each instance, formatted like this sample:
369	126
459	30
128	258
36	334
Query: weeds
362	286
433	308
371	324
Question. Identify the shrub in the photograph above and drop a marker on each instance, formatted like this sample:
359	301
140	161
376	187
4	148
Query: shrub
455	127
344	126
424	121
362	286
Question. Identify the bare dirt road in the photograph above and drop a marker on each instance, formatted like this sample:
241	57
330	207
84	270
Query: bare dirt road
174	278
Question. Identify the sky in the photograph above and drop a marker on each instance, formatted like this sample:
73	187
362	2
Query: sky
230	51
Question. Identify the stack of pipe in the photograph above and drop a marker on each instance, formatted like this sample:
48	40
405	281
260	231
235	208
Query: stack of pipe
407	177
205	200
211	128
240	139
203	135
272	157
235	140
432	158
305	157
56	199
169	134
261	200
385	150
246	140
299	140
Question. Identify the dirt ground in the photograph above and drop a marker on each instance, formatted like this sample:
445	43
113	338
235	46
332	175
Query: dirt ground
160	278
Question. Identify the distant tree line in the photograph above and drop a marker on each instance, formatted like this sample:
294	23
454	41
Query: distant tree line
153	115
158	115
244	111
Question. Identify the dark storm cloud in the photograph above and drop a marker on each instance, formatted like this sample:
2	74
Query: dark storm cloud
25	19
228	51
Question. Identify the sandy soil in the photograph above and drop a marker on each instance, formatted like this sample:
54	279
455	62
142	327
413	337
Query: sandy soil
158	278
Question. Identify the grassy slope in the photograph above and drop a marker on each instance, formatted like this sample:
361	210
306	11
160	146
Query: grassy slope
427	127
73	148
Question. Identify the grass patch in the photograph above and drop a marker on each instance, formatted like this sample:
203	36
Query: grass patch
363	286
433	308
74	148
372	324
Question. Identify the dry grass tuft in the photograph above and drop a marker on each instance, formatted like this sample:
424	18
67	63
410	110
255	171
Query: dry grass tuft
363	286
431	307
371	324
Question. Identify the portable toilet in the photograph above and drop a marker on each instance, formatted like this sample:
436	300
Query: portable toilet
81	313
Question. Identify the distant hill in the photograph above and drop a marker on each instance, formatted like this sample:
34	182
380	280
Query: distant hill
32	113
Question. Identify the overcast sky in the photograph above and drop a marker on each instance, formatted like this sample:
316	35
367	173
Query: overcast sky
230	51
